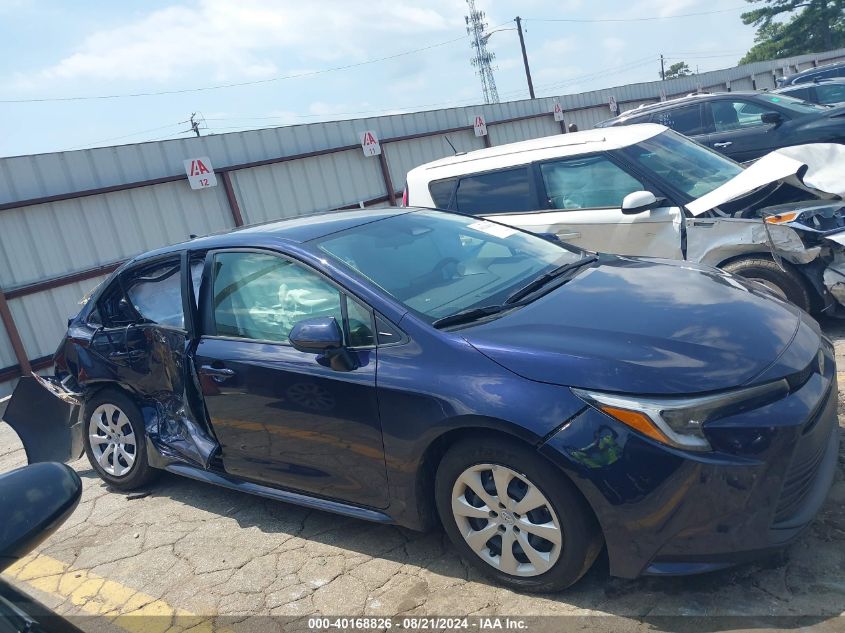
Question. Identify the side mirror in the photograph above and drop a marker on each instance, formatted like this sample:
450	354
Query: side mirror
38	498
316	336
640	201
772	118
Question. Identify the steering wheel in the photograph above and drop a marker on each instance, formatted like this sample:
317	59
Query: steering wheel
565	201
446	268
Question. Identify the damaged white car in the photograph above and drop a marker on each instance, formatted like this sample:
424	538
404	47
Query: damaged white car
645	190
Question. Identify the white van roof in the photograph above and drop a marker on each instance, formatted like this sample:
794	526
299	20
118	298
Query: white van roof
557	146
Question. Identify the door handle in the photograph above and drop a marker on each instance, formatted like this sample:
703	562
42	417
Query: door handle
218	374
568	236
725	144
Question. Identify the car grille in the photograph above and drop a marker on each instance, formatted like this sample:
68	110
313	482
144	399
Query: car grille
806	460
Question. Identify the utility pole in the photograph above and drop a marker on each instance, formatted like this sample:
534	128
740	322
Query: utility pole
195	126
482	59
662	69
525	57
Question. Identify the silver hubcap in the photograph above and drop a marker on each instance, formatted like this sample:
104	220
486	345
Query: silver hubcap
112	440
506	520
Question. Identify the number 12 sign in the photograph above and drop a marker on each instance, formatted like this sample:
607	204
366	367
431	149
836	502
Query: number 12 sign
200	172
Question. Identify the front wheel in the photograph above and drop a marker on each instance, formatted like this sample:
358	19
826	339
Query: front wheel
785	282
513	516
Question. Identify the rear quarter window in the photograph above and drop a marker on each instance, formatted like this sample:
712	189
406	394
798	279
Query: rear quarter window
441	192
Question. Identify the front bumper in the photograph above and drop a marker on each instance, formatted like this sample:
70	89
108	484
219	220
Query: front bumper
670	512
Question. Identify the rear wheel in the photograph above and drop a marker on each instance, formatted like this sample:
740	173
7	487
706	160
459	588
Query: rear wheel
115	440
787	284
513	516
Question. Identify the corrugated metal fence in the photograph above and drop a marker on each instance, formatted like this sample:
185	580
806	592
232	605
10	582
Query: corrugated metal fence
68	219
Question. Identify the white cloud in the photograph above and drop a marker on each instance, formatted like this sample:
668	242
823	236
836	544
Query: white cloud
664	8
613	44
558	47
223	40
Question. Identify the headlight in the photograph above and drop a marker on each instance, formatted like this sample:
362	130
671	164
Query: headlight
679	421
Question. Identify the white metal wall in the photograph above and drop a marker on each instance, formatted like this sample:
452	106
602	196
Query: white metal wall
43	241
49	240
284	190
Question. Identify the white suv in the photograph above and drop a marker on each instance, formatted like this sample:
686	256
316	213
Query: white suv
646	190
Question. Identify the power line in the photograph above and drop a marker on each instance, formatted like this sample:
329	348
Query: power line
117	138
241	84
607	71
644	19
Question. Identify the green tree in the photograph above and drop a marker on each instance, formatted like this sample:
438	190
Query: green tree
794	27
678	69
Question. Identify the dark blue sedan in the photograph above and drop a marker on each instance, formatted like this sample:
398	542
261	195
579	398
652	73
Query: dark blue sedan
414	367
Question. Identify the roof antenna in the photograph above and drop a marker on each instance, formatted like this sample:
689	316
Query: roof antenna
450	144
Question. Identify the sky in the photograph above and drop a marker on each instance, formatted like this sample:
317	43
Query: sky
285	50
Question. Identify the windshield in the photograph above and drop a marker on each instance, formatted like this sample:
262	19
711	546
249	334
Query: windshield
438	264
792	104
682	164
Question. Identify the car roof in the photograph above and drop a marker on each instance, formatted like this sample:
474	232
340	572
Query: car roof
294	230
815	69
523	152
809	84
651	107
673	103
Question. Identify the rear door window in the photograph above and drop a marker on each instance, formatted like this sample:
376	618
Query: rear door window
507	190
685	119
147	294
799	93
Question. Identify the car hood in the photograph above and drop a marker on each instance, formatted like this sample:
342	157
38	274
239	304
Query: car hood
816	167
643	326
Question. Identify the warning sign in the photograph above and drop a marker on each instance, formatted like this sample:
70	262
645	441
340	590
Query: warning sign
370	144
480	126
200	172
558	112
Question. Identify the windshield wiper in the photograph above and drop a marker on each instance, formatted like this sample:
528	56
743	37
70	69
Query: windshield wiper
549	276
466	316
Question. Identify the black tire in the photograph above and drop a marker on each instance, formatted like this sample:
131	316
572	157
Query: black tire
581	536
766	271
139	473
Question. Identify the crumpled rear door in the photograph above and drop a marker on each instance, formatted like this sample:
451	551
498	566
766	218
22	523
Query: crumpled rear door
154	362
140	342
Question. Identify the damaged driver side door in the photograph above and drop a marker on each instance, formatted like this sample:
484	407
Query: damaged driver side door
143	343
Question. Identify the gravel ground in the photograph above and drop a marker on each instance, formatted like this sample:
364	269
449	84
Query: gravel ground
188	548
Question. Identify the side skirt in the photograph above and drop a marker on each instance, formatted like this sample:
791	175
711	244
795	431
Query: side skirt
279	495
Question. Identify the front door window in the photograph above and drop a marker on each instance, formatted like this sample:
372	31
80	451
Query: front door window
261	297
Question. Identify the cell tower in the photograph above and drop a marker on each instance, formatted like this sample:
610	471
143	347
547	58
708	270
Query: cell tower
482	59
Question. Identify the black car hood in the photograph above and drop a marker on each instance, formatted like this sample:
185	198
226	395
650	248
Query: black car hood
642	326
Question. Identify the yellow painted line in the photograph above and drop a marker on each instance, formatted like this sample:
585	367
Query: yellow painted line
93	595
